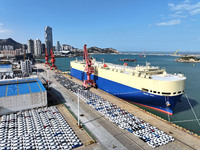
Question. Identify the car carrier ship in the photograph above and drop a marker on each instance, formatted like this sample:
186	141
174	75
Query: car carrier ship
146	85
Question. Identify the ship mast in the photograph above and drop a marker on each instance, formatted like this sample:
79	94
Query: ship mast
89	69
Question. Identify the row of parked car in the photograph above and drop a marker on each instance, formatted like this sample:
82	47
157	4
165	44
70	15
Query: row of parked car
42	128
123	119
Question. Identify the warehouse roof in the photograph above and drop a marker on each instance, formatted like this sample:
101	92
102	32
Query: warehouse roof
5	66
19	87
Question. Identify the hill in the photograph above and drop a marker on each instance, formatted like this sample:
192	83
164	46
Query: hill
11	42
97	50
188	59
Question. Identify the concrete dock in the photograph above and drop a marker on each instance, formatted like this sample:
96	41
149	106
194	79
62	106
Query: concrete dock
108	135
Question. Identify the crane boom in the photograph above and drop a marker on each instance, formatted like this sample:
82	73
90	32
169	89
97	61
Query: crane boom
176	51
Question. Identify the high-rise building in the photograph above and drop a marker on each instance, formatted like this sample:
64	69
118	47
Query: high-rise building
23	47
58	46
37	47
26	66
31	46
66	47
48	39
7	47
43	48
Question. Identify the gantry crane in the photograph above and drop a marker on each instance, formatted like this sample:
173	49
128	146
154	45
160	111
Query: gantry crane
46	58
89	69
53	60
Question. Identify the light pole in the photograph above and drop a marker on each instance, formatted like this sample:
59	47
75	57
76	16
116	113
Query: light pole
78	108
48	77
37	69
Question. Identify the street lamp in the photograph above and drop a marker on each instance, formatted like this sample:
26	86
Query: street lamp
48	77
78	108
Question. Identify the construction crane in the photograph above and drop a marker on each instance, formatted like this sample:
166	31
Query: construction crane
89	69
24	55
176	51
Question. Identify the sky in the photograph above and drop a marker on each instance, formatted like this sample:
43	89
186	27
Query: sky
126	25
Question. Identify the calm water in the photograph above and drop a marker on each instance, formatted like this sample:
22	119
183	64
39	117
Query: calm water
182	110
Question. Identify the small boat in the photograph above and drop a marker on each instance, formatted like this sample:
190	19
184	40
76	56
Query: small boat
127	59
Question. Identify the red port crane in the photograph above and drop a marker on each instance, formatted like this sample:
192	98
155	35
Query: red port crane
89	69
53	60
46	58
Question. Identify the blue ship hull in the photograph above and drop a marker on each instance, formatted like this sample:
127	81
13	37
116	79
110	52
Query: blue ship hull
131	94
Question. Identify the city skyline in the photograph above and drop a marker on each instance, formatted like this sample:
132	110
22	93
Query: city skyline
125	26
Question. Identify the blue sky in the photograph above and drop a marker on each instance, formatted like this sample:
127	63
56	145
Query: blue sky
126	25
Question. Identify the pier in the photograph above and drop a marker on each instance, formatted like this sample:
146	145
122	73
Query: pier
107	134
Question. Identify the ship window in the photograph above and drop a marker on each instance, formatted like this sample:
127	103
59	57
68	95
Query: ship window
158	92
179	92
150	90
165	93
183	91
145	90
154	92
174	93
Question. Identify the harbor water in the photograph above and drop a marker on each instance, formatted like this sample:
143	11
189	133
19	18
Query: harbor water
183	115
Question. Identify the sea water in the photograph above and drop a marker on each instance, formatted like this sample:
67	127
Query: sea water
183	113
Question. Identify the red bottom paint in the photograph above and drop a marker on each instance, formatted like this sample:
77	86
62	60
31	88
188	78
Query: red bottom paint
166	112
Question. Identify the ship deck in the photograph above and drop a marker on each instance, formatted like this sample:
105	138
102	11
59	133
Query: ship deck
152	72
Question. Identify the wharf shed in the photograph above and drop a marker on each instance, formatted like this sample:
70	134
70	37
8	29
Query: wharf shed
22	94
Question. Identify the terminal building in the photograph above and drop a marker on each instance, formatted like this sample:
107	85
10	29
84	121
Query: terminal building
23	94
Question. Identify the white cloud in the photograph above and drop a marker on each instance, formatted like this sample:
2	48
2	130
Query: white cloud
4	30
195	11
186	7
178	16
180	11
169	23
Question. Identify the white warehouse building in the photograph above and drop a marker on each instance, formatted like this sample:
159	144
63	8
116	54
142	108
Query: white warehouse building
23	94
